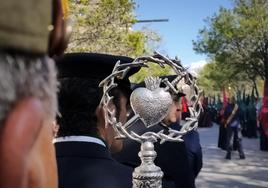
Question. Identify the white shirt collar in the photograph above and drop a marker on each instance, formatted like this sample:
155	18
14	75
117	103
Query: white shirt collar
79	139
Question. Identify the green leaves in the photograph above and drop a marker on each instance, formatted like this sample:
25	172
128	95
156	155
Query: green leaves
104	26
152	70
237	39
215	76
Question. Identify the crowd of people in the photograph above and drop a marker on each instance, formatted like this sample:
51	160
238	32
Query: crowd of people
248	118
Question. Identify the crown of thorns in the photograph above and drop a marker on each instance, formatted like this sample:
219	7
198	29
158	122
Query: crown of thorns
120	71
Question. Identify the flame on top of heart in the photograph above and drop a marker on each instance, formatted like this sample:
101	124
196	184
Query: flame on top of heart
152	83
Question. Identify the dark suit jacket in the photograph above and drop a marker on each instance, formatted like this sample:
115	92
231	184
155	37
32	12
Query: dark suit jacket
194	150
89	165
171	158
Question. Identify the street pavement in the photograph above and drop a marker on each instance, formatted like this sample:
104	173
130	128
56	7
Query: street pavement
217	172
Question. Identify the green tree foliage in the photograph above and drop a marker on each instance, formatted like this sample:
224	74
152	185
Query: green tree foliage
215	76
238	36
104	26
152	70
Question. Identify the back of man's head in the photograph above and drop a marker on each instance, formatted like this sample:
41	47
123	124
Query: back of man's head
80	95
78	100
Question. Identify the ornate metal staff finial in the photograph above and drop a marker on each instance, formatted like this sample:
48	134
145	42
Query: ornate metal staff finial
150	105
147	174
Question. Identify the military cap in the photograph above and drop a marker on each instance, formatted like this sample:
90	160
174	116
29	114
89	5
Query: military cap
24	25
92	65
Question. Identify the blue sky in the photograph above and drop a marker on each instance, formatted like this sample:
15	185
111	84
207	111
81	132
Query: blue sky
186	17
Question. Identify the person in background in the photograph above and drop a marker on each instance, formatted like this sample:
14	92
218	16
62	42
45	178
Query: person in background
204	119
263	120
233	128
192	143
28	92
262	123
84	142
251	118
185	110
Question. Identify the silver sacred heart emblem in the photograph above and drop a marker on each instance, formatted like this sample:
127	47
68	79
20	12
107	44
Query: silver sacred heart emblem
152	104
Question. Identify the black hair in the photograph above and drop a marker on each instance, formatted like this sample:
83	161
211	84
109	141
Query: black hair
78	100
122	89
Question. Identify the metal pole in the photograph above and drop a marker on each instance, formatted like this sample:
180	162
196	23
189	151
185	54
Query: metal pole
154	20
147	175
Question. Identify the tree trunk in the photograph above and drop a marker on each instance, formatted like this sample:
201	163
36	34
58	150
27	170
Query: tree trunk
255	88
265	61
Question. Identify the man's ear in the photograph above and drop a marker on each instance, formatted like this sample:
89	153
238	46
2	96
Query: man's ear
61	30
17	137
101	124
101	117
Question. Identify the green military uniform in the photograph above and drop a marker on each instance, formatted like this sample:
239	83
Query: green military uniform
25	25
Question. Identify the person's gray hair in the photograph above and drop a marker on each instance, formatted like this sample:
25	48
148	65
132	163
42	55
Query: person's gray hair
24	76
